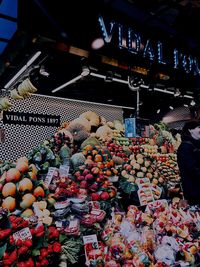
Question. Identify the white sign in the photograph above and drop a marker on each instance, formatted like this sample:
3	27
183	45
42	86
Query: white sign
23	234
49	176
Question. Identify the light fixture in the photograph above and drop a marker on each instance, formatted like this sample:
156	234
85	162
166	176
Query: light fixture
171	107
109	77
177	92
134	83
151	87
85	71
23	69
192	103
43	71
158	111
67	83
185	105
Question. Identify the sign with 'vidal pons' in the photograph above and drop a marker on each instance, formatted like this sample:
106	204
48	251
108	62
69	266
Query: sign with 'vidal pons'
133	42
11	117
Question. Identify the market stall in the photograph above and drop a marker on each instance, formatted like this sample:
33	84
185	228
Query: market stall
88	195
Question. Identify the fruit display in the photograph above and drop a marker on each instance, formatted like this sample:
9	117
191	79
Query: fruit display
162	235
72	186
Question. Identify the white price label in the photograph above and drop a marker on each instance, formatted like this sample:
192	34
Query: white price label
64	170
49	176
23	234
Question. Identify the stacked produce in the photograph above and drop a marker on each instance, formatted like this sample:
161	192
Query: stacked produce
68	186
161	236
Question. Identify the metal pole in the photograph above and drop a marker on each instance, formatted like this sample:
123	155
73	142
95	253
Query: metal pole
138	103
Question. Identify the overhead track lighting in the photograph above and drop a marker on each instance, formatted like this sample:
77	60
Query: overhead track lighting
23	69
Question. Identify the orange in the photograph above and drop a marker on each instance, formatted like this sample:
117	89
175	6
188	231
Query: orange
9	189
33	168
13	174
39	192
32	175
25	184
9	203
98	158
27	201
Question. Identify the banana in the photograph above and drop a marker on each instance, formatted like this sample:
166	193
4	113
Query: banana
14	94
26	94
28	84
5	103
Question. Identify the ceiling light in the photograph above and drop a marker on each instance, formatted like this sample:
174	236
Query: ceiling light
171	107
177	92
158	111
85	71
97	43
23	69
185	105
43	71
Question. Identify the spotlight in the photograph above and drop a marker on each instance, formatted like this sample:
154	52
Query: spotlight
85	71
85	68
43	71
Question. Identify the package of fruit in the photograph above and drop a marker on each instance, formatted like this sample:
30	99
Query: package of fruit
161	205
142	182
72	228
145	196
90	243
157	191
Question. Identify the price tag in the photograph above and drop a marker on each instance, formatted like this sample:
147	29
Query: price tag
64	171
49	176
90	242
23	234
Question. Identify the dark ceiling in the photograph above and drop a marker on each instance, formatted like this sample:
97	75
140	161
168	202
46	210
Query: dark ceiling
64	30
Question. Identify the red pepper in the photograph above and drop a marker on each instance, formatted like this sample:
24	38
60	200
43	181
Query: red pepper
19	243
7	262
11	240
50	248
13	255
56	247
4	233
44	262
22	250
38	264
44	252
28	243
30	262
39	231
32	231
